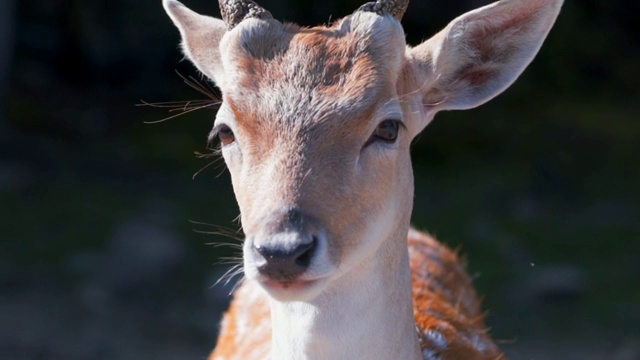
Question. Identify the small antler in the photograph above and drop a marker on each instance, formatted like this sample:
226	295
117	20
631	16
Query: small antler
392	7
234	11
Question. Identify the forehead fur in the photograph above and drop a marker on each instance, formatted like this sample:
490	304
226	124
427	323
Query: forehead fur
309	74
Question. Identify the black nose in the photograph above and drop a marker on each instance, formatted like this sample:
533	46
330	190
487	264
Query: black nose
285	261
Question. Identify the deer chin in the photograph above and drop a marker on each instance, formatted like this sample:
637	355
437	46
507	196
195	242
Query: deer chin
295	290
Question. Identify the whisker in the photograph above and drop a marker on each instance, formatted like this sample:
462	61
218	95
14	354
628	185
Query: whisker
212	153
237	285
199	87
203	168
236	261
186	106
217	244
224	167
237	220
176	105
230	261
230	274
182	113
219	233
234	246
228	232
221	227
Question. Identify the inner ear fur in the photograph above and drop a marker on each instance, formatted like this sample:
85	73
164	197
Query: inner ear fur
479	54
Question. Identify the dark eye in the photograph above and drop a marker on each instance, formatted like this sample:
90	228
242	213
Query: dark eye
226	135
386	131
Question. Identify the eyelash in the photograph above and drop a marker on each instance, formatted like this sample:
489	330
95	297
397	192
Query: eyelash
224	134
386	131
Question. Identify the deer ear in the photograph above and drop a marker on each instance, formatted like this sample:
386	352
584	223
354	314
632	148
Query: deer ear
479	54
201	37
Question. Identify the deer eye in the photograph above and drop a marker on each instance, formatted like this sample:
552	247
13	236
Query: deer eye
226	135
386	131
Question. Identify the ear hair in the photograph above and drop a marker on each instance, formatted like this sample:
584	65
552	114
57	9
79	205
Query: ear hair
201	37
479	54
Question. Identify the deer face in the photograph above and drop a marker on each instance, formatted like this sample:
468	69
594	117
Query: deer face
317	143
316	123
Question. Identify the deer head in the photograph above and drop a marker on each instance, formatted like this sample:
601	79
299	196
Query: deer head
315	127
316	123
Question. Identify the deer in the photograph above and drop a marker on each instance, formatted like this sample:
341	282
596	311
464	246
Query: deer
315	126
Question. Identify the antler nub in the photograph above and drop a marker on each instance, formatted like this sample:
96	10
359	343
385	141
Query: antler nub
396	8
234	11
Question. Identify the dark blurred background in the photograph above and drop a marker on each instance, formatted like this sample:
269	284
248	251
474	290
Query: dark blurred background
102	254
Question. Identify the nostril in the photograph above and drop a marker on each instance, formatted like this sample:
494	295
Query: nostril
305	253
285	263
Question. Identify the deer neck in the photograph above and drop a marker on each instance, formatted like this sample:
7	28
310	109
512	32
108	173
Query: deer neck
367	313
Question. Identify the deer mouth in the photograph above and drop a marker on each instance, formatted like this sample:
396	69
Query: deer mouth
295	290
288	285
